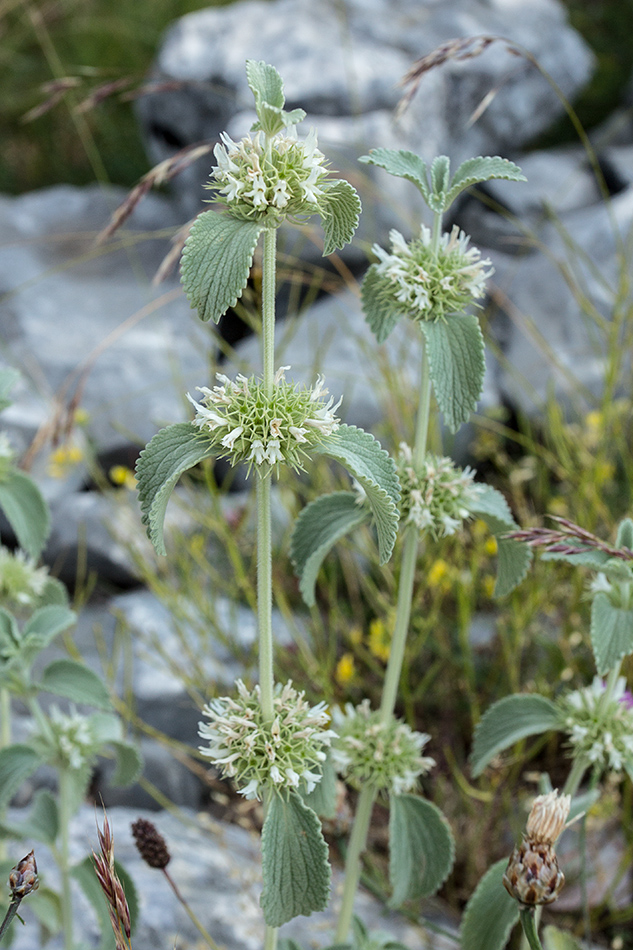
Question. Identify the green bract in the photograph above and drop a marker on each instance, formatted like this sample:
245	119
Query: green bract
385	755
261	755
247	425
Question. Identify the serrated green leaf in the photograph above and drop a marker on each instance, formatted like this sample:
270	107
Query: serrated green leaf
76	682
322	799
42	822
129	764
106	728
401	164
340	209
170	453
379	309
507	721
9	633
482	168
295	868
514	557
26	511
455	349
367	461
490	913
591	557
265	83
440	176
555	939
317	529
17	763
625	534
54	594
421	848
611	632
216	262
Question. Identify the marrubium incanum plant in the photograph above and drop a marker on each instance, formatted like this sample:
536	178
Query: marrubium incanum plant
600	726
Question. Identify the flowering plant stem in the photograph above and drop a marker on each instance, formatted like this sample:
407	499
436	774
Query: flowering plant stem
264	535
367	796
529	928
64	856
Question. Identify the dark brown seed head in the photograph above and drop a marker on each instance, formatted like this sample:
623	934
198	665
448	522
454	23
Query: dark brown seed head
23	879
151	844
533	875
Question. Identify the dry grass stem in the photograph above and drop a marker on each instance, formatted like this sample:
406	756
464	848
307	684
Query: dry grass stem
112	887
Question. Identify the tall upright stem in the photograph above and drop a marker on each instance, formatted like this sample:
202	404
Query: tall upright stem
64	857
5	717
358	839
264	534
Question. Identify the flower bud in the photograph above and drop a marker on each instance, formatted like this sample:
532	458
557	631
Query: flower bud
533	875
151	844
547	817
23	879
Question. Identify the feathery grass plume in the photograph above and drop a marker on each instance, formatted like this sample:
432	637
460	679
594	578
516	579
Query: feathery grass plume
112	887
568	539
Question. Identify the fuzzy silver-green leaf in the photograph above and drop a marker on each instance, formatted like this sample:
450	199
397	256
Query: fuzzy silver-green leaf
512	718
482	168
490	913
340	210
611	632
455	349
421	848
26	511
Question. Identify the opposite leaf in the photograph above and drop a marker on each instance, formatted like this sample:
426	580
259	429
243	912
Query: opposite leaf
76	682
367	461
611	632
483	168
340	210
322	798
455	349
507	721
401	164
421	848
379	309
317	529
514	557
295	865
170	453
26	511
216	262
17	763
490	913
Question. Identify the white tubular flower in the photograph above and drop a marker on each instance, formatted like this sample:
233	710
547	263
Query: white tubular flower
72	737
21	581
438	496
260	755
383	755
262	430
429	286
288	180
601	732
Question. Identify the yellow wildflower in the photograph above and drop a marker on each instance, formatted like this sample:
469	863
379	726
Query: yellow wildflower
123	476
63	459
488	585
439	571
345	669
379	640
491	546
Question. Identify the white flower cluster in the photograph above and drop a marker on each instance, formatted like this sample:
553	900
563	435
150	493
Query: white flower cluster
265	430
275	179
426	286
385	755
438	496
259	755
73	738
20	580
603	732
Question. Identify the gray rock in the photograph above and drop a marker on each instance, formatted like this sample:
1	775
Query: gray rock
217	869
344	71
83	323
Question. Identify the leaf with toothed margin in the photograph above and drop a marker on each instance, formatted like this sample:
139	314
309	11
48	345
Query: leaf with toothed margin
317	529
267	86
455	348
401	164
340	208
421	848
170	453
365	459
482	168
380	311
216	262
513	557
490	913
508	720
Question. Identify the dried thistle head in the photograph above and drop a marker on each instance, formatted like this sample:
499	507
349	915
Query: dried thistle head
151	844
112	887
23	879
547	817
533	876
